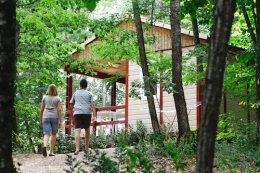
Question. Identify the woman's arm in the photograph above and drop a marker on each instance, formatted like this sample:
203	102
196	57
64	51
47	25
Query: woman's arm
59	113
41	113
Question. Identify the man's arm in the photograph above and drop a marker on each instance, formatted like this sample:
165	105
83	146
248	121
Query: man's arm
93	108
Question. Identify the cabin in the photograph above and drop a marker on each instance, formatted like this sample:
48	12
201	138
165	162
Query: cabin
134	109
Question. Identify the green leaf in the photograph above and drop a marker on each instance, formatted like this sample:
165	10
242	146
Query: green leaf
181	16
91	5
257	164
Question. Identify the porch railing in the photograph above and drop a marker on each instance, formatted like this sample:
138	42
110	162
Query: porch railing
111	121
112	110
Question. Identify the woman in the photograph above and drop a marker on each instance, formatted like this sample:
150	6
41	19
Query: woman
50	117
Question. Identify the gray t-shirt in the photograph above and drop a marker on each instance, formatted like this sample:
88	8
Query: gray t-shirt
51	105
82	101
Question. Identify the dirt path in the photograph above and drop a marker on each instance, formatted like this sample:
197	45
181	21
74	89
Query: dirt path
36	163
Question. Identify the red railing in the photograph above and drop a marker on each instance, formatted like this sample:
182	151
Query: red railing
95	123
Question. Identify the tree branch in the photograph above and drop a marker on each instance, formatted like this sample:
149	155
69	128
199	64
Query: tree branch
249	25
253	11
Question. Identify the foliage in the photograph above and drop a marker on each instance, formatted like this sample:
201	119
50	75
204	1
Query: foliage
73	166
65	144
159	65
226	132
48	31
91	4
108	165
240	155
95	86
140	157
104	26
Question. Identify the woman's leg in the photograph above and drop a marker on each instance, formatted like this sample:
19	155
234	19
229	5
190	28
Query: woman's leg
54	129
53	140
45	143
46	140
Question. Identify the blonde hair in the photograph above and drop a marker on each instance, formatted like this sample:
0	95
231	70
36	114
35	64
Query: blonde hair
52	90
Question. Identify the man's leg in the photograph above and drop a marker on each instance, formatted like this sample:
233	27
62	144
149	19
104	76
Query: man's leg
77	139
87	138
53	140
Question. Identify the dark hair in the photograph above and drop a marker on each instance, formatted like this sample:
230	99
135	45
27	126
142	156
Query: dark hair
83	83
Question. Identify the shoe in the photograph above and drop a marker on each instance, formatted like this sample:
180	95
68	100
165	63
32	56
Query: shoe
44	152
51	154
76	153
88	150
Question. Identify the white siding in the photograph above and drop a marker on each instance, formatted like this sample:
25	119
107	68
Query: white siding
138	109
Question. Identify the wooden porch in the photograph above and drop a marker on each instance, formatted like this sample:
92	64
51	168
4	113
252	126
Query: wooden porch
112	113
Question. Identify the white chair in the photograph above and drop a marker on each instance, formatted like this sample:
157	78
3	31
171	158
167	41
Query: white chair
104	116
118	116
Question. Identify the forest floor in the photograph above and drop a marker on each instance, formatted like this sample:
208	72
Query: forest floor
36	163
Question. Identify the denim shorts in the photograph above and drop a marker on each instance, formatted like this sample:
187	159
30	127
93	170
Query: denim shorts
50	125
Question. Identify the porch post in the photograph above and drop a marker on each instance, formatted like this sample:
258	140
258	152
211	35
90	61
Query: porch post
126	93
161	103
68	97
161	97
198	107
113	94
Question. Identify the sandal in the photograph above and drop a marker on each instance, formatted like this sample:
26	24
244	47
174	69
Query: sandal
76	153
44	152
51	154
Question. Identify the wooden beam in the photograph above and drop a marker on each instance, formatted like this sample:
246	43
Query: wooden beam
110	108
97	75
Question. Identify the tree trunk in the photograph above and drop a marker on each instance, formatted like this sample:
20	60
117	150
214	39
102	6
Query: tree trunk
257	67
257	76
178	95
144	66
199	62
7	77
255	36
220	33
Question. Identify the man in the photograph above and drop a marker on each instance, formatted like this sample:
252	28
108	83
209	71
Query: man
83	104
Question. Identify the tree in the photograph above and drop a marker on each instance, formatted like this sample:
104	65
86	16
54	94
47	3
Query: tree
49	30
143	60
8	47
178	95
253	23
220	33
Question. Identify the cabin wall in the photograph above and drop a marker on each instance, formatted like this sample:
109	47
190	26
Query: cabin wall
190	97
138	109
162	35
235	111
232	109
